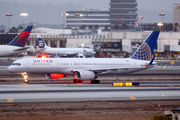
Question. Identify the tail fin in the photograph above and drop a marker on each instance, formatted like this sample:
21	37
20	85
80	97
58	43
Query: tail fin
41	42
57	55
145	51
21	39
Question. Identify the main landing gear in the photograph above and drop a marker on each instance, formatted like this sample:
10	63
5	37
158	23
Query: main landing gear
25	75
77	81
95	81
92	81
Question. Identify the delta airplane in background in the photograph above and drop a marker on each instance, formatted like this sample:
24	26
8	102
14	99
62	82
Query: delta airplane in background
17	45
88	68
63	52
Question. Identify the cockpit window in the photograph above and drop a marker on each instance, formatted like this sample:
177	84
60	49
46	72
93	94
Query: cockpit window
17	64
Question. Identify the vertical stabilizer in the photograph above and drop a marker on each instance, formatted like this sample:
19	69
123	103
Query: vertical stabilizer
21	39
145	51
41	42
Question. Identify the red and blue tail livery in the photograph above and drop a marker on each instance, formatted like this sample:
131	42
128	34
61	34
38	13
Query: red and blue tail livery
21	39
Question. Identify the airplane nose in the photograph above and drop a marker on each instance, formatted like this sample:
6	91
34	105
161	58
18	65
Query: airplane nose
10	69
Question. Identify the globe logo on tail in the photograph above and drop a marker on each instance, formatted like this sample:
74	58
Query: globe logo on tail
143	53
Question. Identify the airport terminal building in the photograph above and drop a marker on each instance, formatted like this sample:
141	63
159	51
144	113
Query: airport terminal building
176	14
123	11
108	44
120	12
88	17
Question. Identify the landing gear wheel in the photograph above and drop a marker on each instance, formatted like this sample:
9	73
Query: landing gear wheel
25	78
26	81
95	81
77	81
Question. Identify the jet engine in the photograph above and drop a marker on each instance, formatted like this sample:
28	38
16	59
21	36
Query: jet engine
85	75
55	76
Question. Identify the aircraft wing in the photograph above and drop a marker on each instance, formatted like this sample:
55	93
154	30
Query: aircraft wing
108	69
111	69
103	69
68	54
22	49
40	50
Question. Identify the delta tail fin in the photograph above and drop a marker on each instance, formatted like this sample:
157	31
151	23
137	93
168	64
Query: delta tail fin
145	51
21	39
41	42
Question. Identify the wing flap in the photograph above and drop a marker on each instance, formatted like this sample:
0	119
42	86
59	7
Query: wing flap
108	69
101	70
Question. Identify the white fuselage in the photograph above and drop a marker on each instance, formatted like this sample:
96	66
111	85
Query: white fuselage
6	50
69	66
63	51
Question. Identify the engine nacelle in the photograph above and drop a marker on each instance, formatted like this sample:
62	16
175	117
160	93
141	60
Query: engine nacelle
55	76
85	75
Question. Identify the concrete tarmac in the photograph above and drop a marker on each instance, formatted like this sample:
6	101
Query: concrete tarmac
56	93
41	90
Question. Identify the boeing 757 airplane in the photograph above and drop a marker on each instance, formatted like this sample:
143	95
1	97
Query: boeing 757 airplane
88	68
17	45
63	52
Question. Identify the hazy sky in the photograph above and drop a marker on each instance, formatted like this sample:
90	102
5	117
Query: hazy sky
47	11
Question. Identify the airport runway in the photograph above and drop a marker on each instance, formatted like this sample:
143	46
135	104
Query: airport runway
12	90
67	92
88	84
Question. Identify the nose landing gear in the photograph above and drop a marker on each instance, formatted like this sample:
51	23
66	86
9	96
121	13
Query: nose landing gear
25	75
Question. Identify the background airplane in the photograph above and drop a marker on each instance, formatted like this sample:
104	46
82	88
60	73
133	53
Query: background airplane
88	68
17	45
63	52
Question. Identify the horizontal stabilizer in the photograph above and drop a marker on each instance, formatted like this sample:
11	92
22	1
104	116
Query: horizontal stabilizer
21	49
151	62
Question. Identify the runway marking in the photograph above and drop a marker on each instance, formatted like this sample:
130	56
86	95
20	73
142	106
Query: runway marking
132	98
9	100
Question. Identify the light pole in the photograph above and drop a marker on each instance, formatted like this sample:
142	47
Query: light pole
78	15
160	24
9	15
162	15
23	15
64	14
141	17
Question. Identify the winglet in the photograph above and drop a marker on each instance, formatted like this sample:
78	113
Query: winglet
151	62
57	55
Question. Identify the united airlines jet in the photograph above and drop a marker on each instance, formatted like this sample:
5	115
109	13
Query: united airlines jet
17	45
88	68
63	52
